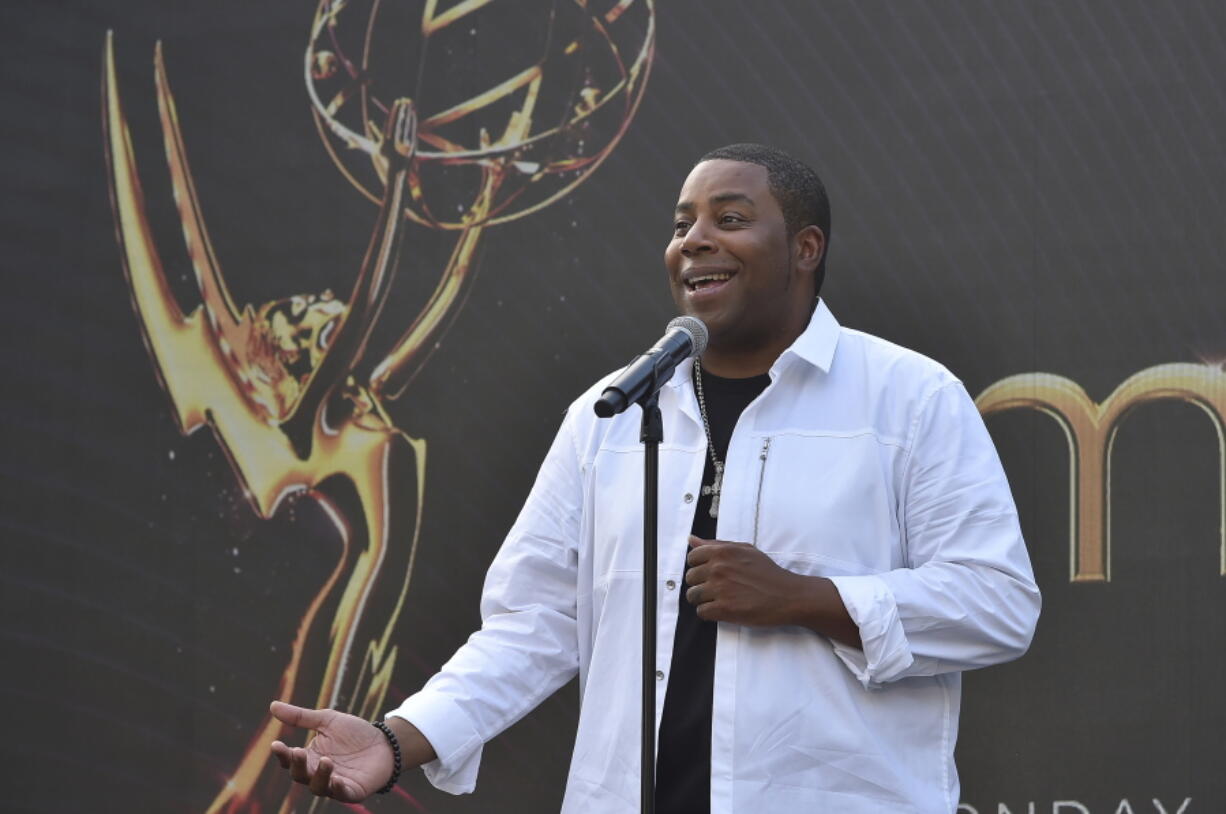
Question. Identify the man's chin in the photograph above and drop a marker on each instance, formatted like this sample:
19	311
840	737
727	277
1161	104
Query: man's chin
720	334
709	313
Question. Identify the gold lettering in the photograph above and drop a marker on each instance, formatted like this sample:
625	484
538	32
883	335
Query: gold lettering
1090	430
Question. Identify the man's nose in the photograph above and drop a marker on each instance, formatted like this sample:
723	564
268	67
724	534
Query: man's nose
697	239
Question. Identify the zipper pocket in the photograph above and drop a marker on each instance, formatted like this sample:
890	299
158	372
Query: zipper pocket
757	509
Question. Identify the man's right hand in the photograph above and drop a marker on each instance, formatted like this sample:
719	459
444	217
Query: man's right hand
348	759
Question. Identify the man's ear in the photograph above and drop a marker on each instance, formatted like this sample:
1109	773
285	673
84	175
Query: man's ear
810	243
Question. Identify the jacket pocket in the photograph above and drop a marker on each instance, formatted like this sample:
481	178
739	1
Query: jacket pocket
827	501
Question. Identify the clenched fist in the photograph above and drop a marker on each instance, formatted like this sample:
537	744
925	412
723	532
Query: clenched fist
736	582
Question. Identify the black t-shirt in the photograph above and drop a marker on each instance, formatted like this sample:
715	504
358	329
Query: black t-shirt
683	759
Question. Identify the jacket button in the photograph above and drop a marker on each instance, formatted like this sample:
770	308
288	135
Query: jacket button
670	584
659	675
689	498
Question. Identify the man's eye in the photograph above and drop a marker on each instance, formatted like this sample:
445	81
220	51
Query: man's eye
681	227
730	218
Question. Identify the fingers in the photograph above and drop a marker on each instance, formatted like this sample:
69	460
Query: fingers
321	781
702	590
698	574
299	716
697	556
694	595
345	790
696	541
708	563
704	550
298	765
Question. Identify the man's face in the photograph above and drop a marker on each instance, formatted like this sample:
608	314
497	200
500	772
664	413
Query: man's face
731	262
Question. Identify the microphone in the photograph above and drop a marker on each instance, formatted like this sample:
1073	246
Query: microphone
647	372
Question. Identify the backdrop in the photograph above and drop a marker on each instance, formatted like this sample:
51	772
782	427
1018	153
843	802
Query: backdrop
294	302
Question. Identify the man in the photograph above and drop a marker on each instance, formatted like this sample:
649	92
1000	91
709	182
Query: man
837	543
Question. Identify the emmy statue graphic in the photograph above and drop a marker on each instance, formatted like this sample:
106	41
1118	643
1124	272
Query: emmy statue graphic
292	389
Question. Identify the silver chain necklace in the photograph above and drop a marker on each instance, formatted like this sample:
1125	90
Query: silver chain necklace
714	489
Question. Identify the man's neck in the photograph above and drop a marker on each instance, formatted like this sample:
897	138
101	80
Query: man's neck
743	357
737	365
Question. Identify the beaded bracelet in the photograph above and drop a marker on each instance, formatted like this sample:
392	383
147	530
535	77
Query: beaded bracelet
395	744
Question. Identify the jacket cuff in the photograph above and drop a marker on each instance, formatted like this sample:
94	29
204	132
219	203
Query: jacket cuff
886	654
453	737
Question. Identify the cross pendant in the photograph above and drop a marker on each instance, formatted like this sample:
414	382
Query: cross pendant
714	489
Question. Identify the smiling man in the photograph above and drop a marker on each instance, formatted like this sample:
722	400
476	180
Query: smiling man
837	543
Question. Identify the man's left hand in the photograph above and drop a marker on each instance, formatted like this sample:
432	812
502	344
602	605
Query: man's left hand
736	582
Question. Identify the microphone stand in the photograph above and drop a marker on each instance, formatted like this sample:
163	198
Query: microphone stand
644	376
651	433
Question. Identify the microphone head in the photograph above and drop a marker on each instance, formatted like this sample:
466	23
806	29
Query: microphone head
696	330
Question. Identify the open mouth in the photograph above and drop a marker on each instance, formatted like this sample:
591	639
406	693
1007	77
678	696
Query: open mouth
708	281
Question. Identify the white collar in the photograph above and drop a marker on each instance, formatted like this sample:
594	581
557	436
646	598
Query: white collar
815	345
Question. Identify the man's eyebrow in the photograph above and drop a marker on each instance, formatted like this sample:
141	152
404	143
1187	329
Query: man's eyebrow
726	197
722	198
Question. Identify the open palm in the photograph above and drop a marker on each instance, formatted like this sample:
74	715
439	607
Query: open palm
348	759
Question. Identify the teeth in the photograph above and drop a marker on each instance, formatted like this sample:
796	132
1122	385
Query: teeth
710	278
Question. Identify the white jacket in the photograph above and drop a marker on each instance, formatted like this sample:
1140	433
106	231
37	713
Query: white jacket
861	461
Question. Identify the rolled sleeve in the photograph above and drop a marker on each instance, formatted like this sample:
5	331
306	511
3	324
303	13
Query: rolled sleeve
886	654
455	740
969	598
966	597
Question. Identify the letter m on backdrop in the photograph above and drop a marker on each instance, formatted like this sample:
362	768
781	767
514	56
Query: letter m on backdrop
1090	429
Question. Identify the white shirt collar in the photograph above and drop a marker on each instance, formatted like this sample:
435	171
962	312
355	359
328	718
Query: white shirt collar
815	346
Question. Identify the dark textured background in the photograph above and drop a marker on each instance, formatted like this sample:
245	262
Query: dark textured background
1017	186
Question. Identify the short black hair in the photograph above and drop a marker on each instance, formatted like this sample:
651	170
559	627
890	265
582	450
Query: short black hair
798	189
